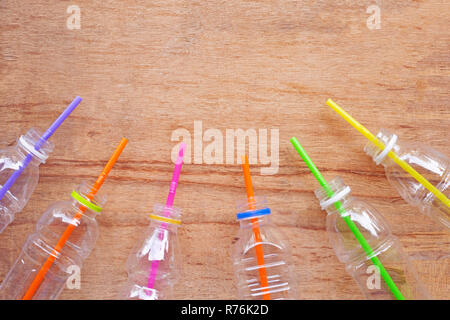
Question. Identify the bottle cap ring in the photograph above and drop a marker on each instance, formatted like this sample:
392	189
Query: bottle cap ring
164	219
82	200
253	213
31	149
335	198
386	149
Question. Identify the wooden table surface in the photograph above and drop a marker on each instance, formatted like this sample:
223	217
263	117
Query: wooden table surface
147	68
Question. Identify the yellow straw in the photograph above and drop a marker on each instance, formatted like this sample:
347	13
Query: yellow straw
403	164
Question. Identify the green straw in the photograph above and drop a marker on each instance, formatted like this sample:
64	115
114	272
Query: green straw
358	235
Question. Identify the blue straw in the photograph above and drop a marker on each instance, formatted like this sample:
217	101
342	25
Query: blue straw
47	134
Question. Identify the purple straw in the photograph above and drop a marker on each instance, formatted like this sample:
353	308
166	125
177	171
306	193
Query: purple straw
47	134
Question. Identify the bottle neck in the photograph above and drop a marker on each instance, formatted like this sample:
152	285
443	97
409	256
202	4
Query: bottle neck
24	154
380	156
253	222
336	199
30	145
252	212
254	203
82	202
165	217
171	227
83	211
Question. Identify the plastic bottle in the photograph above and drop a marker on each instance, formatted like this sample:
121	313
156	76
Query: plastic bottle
384	246
65	235
420	174
262	259
40	245
11	159
277	266
19	167
431	164
154	263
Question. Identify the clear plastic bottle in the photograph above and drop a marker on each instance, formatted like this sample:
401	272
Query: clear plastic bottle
40	246
154	263
431	164
11	160
271	279
378	235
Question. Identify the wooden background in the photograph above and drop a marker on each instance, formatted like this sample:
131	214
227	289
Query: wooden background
146	68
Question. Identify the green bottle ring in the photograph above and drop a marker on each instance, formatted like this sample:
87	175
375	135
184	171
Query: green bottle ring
85	202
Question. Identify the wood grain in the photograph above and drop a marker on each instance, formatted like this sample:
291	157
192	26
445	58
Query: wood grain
147	68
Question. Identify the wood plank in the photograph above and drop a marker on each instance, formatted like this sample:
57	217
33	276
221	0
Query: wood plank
145	69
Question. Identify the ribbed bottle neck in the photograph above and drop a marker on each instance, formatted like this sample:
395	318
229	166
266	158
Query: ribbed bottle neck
336	198
165	217
253	222
84	204
30	144
252	212
380	156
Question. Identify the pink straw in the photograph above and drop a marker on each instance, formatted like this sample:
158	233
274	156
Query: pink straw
169	204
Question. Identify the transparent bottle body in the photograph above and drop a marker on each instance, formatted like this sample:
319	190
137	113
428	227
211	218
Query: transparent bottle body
11	159
153	265
431	164
385	247
277	266
41	246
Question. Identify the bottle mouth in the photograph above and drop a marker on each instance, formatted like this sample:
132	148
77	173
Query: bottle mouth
252	208
80	194
29	141
340	193
165	214
257	203
390	143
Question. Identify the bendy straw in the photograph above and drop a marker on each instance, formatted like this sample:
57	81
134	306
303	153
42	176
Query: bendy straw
169	204
403	164
255	228
47	134
352	226
70	228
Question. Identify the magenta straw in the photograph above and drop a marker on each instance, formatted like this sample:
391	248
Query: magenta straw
169	204
47	134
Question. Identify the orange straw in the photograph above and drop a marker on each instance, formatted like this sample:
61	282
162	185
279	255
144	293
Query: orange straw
255	227
52	257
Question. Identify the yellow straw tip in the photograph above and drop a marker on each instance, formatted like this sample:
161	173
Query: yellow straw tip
330	102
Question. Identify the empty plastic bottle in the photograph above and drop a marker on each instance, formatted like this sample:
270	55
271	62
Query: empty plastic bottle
65	235
262	258
154	263
43	254
431	164
382	257
19	167
12	159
